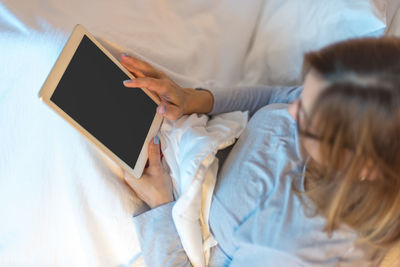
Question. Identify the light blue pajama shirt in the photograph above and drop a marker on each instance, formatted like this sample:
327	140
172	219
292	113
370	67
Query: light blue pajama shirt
255	217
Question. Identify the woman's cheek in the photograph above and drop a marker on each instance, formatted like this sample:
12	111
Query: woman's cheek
310	148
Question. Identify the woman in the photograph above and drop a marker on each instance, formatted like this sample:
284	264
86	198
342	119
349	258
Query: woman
311	183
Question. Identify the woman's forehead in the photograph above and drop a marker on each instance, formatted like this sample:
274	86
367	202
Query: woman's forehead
313	86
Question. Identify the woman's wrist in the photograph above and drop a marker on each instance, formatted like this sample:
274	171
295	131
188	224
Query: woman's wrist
160	200
198	101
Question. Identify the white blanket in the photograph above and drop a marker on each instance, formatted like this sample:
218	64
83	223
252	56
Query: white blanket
61	202
189	145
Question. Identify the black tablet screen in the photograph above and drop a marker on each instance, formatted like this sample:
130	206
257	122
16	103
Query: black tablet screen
92	93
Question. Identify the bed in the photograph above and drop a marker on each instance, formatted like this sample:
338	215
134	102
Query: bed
62	203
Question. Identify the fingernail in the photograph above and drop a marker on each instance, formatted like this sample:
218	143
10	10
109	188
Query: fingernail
161	109
156	140
127	81
125	54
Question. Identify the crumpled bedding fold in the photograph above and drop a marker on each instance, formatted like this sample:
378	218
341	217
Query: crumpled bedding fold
189	145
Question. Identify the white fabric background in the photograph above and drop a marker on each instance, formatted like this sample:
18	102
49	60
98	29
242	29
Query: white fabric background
61	202
287	29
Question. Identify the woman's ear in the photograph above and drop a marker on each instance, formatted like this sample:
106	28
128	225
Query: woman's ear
293	109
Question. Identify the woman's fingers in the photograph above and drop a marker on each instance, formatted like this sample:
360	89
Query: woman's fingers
137	73
155	185
171	95
135	64
148	83
169	111
154	153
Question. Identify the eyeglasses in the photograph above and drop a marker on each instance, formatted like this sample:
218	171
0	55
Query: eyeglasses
304	118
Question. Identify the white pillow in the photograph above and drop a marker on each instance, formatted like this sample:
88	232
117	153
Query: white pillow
288	28
393	18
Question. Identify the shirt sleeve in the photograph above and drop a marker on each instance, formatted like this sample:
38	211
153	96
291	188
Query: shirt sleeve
251	98
158	238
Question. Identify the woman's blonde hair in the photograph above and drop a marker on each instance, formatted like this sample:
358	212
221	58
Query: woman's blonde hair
358	119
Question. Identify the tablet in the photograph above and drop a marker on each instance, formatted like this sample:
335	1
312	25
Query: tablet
85	87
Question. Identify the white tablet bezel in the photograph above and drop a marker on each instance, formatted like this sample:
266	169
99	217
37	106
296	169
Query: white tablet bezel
56	74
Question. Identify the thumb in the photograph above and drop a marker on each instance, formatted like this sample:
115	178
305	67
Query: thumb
154	152
169	111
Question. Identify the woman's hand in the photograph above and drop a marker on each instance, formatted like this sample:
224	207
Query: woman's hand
155	185
175	100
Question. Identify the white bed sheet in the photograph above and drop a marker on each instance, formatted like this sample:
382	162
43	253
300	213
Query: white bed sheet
62	203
